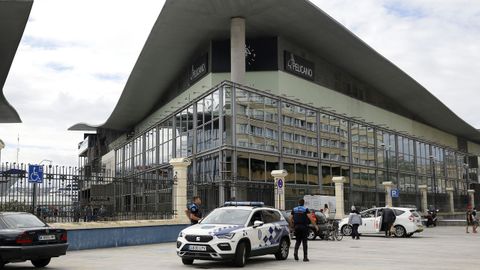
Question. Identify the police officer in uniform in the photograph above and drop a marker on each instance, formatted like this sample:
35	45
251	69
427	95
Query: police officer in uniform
194	213
300	220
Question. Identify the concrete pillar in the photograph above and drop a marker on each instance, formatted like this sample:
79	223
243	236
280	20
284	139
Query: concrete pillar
179	192
388	193
423	194
471	195
237	50
221	193
279	176
450	198
339	196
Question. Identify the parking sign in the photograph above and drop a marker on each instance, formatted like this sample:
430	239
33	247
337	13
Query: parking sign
395	193
35	174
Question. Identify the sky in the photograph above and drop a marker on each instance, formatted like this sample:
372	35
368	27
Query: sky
75	58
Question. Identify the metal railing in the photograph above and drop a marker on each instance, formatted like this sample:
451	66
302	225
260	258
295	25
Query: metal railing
65	195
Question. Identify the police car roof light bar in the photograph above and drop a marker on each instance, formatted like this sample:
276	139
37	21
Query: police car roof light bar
255	204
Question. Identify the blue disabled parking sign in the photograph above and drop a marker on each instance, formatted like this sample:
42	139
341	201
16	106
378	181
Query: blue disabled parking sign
35	174
395	193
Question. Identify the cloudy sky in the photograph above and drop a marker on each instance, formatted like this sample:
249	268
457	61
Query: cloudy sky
75	58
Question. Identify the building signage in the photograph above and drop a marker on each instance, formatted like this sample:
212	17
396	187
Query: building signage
198	69
299	66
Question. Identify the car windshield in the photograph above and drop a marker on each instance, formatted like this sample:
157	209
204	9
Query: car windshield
15	221
230	216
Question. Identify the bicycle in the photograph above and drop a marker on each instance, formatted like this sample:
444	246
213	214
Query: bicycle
334	232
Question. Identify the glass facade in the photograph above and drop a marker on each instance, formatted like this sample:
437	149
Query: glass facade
236	136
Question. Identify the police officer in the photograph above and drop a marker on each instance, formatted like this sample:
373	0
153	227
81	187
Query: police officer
194	213
300	220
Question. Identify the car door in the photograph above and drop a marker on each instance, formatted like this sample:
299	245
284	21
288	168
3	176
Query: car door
368	220
256	234
273	230
377	225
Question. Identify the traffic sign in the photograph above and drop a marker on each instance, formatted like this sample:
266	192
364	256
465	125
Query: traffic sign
395	193
279	183
35	174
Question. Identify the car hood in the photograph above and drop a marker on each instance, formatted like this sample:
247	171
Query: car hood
211	229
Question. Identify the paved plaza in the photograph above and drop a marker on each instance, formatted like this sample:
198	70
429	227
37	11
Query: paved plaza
436	248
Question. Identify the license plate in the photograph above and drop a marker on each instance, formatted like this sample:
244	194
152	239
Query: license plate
197	248
46	237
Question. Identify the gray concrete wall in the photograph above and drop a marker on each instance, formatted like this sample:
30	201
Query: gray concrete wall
81	239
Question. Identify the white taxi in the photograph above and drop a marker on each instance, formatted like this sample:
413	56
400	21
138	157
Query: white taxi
235	232
407	222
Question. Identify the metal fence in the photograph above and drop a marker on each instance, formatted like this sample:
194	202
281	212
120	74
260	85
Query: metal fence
65	195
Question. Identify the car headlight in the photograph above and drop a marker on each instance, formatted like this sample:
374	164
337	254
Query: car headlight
180	235
226	236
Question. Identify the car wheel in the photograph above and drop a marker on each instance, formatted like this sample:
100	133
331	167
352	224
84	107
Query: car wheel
282	253
347	230
187	261
400	231
240	255
40	263
311	234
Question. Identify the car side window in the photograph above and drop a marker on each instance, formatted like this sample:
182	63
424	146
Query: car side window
398	212
257	216
379	212
368	214
270	216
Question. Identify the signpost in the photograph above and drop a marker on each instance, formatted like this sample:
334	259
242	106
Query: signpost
35	176
395	193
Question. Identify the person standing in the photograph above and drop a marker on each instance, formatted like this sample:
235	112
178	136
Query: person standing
388	218
300	219
469	216
193	212
475	220
326	211
355	220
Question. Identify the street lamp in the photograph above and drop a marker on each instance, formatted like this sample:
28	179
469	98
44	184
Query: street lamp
432	161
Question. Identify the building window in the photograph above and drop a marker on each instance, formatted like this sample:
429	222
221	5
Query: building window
257	121
151	145
334	138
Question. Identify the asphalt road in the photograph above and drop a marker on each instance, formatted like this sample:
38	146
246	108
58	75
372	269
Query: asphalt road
436	248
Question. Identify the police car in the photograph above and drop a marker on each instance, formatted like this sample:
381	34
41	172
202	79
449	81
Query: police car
235	232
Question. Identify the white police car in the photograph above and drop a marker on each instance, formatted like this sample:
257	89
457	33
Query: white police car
235	232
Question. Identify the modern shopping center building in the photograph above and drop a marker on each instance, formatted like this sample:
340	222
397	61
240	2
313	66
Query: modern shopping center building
244	87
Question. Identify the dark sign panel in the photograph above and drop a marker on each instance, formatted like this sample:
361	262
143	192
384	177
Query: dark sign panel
260	55
299	66
198	69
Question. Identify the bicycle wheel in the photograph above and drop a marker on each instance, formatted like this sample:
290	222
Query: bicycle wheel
338	235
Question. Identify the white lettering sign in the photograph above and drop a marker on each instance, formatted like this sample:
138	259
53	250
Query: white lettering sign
294	66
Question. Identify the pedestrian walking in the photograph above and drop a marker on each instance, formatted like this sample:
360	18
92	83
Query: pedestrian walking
326	211
355	220
388	219
469	217
300	219
193	212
